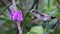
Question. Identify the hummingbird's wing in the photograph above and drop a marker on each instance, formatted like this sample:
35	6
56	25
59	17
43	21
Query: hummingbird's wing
34	20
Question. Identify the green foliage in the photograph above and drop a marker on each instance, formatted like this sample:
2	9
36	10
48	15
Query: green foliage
32	33
51	23
58	15
36	29
52	10
58	30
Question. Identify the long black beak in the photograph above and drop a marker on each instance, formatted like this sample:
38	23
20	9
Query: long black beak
53	17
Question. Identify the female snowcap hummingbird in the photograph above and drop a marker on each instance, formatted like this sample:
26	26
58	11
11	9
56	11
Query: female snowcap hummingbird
41	16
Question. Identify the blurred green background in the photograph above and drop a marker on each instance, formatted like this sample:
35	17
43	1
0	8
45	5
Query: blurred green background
50	7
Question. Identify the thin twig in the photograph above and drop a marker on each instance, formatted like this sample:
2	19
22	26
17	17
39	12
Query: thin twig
58	2
6	4
5	9
21	5
55	27
35	2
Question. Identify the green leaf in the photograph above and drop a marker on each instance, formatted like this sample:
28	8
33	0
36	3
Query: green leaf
37	29
51	23
58	15
58	30
31	33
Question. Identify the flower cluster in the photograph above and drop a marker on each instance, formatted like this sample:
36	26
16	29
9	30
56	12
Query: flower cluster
16	15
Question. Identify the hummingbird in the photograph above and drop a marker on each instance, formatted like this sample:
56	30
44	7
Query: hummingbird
41	16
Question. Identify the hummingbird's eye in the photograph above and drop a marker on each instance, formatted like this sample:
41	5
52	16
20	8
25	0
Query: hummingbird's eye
33	11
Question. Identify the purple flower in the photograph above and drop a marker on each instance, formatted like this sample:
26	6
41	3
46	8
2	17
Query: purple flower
16	15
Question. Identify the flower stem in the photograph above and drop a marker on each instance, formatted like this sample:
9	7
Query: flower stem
19	28
18	24
14	5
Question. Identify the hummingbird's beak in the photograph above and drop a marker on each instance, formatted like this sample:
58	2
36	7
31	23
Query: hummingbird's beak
53	17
